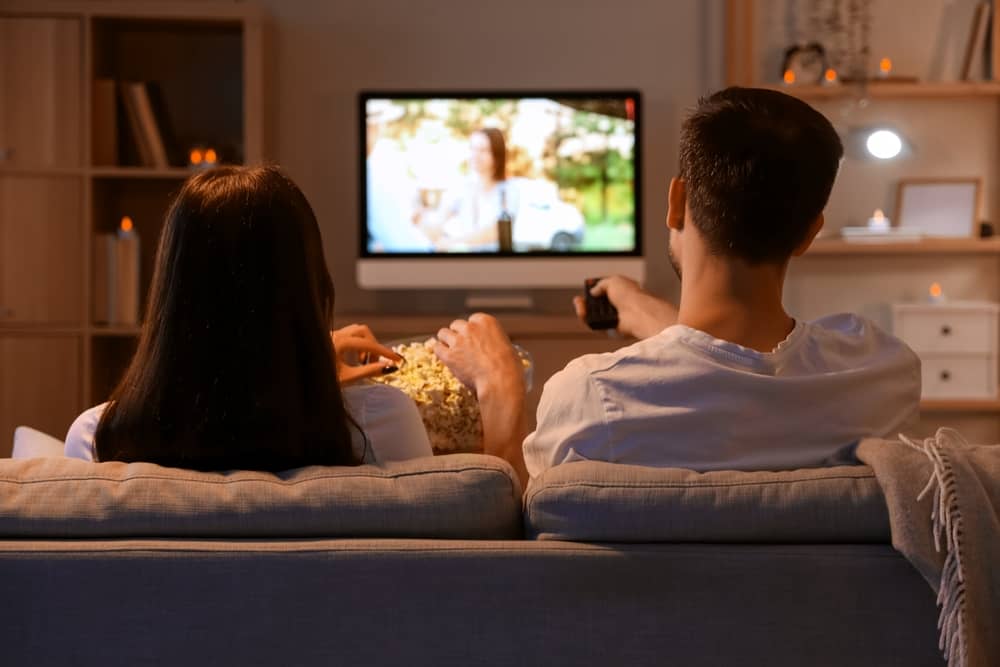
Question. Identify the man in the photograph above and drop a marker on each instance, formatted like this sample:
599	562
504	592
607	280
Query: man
728	380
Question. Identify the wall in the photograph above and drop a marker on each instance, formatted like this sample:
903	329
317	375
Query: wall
325	52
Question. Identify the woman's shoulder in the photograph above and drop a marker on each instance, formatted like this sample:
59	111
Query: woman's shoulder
80	437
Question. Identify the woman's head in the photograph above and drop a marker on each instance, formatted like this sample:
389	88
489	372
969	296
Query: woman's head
234	367
488	154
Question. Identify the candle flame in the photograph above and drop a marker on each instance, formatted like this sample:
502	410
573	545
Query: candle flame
126	224
830	75
195	156
789	76
210	156
878	214
885	65
935	290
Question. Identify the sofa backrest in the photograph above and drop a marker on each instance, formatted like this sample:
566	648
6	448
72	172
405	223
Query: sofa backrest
604	502
462	496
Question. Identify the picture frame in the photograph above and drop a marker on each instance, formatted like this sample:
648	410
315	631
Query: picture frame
940	207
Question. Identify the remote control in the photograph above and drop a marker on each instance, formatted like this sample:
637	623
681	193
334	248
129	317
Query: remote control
600	314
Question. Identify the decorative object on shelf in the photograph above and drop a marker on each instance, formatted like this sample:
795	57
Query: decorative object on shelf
939	207
805	64
201	157
878	222
884	68
975	45
935	294
957	345
116	276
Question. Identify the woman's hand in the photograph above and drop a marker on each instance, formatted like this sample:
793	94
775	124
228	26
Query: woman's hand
354	345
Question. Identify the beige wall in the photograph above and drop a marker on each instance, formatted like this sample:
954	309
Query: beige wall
325	52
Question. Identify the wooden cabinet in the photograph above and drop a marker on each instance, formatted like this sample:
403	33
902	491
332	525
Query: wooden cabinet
70	169
41	237
39	384
40	127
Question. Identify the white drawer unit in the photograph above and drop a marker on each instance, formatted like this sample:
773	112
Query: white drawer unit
953	376
960	327
957	344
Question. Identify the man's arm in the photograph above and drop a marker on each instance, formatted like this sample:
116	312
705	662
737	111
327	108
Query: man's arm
481	356
640	314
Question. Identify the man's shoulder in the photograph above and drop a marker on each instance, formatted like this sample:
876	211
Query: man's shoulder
853	336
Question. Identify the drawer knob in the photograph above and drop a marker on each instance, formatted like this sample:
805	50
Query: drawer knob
945	330
945	376
6	312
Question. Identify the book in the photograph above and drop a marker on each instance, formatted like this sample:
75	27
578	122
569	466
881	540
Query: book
104	124
147	124
976	44
163	123
134	124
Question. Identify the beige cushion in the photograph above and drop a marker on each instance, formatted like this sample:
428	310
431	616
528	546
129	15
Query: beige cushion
461	496
607	502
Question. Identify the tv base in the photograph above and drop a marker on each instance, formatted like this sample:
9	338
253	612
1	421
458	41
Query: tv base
512	301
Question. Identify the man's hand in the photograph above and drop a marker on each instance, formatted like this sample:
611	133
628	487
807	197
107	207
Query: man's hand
640	314
481	356
354	345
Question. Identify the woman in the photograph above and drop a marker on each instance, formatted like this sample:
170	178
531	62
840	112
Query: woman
471	215
235	368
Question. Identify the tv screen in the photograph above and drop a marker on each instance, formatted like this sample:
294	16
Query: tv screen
500	174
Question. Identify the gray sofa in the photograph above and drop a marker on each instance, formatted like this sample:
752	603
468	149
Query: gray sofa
440	561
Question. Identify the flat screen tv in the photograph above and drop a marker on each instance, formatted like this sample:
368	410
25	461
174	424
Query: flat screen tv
498	190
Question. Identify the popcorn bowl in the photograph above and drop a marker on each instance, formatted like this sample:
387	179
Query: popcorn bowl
449	409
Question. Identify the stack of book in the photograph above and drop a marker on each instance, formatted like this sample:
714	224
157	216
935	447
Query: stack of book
141	106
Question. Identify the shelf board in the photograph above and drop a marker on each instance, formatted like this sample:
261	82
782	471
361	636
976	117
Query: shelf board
960	405
9	329
893	90
969	246
41	171
178	173
117	331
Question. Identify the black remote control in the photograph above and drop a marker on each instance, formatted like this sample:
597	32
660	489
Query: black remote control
600	314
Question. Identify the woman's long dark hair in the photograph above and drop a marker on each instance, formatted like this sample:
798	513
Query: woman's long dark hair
235	367
498	149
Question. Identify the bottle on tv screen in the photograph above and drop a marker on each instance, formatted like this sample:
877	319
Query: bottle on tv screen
509	175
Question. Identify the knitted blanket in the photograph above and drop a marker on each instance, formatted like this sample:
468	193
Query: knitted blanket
943	497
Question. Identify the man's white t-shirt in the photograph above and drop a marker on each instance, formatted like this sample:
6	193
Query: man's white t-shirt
684	399
388	417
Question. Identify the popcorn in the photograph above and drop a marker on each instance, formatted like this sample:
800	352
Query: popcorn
448	408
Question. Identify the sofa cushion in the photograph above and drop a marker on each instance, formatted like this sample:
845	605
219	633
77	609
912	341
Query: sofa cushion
467	496
608	502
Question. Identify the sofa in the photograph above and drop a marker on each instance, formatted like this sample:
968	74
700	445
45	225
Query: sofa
443	561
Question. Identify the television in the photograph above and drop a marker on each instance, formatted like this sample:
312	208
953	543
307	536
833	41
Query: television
498	189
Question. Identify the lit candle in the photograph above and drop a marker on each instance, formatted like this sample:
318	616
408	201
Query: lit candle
830	77
125	306
878	221
884	68
935	294
789	77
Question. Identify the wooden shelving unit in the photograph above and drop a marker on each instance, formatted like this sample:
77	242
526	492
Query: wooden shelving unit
892	90
970	246
959	405
207	58
741	69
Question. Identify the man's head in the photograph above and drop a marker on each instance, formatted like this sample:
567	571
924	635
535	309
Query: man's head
756	170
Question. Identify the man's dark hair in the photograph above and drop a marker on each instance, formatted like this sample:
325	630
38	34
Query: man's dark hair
759	166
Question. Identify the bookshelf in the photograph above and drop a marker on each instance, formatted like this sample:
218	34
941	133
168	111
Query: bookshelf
59	186
745	51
